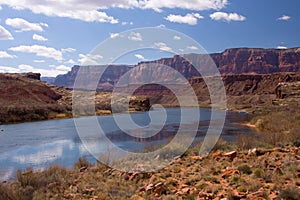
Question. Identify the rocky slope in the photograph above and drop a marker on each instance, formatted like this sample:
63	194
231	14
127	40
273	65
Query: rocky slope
25	98
288	93
231	61
242	91
256	174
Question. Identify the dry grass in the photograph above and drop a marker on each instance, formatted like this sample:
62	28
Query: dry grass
275	173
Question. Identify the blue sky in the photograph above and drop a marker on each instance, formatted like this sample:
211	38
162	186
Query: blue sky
49	38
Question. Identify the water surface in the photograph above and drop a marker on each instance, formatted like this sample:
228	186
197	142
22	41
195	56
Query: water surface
40	144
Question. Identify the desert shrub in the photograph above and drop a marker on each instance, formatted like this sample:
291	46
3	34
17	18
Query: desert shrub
280	125
245	169
258	173
82	162
290	193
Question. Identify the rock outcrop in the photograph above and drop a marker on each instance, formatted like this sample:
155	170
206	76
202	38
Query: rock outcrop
242	91
25	98
231	61
287	93
260	61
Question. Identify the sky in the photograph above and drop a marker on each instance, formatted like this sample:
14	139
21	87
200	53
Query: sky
49	37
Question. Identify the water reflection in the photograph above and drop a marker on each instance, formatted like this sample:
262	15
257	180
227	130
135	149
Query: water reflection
41	144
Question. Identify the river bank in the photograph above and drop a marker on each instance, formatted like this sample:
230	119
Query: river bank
237	174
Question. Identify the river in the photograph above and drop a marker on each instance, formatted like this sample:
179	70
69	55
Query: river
38	145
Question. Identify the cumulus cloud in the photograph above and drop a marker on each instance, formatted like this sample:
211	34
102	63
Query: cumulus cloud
70	61
192	47
158	5
139	56
127	23
284	18
163	46
23	25
176	37
39	38
135	36
52	72
73	8
4	54
89	59
68	50
5	69
85	10
114	35
161	26
43	51
222	16
25	67
190	18
39	61
5	34
281	47
93	11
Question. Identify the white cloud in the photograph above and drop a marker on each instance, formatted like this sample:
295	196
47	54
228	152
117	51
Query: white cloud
92	10
5	69
192	47
26	68
23	25
127	23
56	70
71	61
88	10
158	5
0	7
43	51
4	54
281	47
176	37
227	16
89	59
135	36
39	37
114	35
161	26
5	34
190	18
39	61
68	50
63	68
284	18
44	24
85	10
163	47
139	56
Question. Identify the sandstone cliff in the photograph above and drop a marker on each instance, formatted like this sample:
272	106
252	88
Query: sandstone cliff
231	61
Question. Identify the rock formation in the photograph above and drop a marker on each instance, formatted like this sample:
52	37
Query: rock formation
231	61
287	93
242	91
25	98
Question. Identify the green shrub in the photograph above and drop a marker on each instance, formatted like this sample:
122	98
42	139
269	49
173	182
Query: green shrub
245	169
290	193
